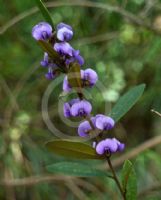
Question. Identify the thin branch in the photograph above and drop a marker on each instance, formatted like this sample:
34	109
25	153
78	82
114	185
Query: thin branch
33	180
131	17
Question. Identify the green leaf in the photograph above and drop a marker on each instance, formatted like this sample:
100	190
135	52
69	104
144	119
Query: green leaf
129	182
45	12
72	149
74	76
75	169
125	102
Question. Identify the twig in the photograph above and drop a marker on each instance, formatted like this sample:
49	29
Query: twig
33	180
156	112
115	177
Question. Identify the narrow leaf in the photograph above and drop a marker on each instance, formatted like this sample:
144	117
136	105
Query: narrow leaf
45	12
129	182
72	149
125	102
75	169
74	76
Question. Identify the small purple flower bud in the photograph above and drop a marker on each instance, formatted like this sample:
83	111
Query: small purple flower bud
67	112
109	145
67	107
77	57
83	129
45	61
81	108
66	85
42	31
104	123
63	48
51	74
91	76
64	32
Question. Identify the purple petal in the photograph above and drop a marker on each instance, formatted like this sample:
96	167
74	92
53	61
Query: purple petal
42	31
67	112
66	85
64	34
91	76
63	48
83	129
81	108
62	25
100	148
104	123
111	145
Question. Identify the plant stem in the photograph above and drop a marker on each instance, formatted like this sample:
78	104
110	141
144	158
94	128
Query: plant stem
115	177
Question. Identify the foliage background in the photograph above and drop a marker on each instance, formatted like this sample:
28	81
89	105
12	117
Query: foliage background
122	51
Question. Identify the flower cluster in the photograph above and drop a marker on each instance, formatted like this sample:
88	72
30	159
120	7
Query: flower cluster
76	107
59	42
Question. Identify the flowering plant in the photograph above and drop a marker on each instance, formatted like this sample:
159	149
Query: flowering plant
61	57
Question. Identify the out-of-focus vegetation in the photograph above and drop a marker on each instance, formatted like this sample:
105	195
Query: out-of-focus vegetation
124	47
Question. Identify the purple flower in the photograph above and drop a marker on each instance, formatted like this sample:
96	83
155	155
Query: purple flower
51	74
84	128
64	32
67	107
66	86
75	58
45	61
109	145
91	76
63	48
104	123
42	31
81	108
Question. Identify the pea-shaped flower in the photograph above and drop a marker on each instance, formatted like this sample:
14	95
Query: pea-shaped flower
90	77
67	107
64	32
63	48
81	108
110	146
42	31
84	128
103	122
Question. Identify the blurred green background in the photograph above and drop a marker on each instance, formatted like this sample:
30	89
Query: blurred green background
121	40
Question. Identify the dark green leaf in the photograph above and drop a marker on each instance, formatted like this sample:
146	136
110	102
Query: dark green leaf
129	181
75	169
125	102
72	149
45	12
74	76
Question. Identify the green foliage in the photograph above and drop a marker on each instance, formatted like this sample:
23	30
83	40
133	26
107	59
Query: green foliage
77	150
125	102
76	169
129	181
